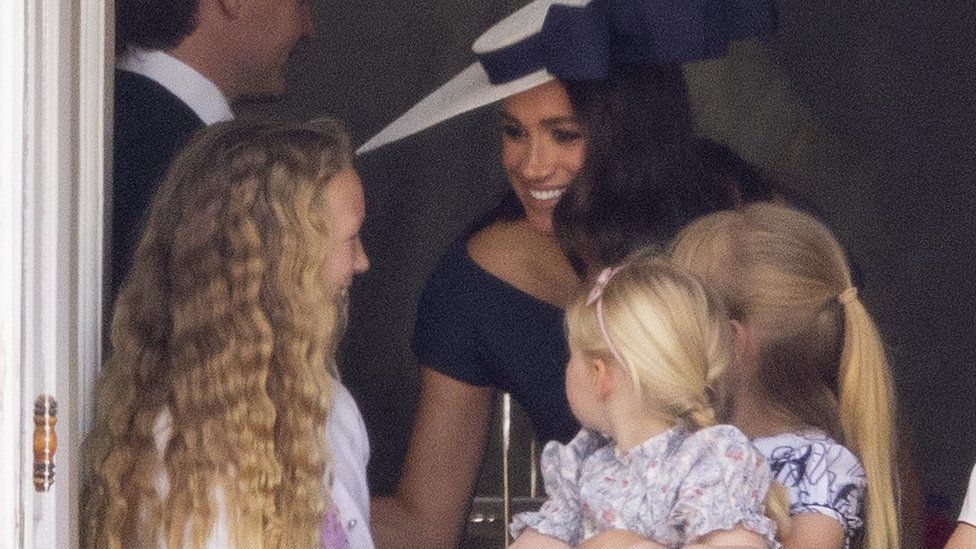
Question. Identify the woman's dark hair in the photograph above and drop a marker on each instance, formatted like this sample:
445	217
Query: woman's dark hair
642	180
153	24
745	181
508	208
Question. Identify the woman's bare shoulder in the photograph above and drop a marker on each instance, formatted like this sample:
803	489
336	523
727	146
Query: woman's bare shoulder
498	249
524	258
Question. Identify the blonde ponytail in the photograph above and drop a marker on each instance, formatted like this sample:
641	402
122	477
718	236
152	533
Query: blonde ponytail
821	362
778	508
867	419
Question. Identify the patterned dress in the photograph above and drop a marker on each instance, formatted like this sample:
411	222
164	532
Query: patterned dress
673	489
820	476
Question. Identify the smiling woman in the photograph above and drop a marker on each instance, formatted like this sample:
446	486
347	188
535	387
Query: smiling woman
491	315
542	149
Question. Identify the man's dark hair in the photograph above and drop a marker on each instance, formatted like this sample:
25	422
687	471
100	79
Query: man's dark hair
153	24
641	180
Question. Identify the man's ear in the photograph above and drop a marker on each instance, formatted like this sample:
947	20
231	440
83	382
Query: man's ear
602	378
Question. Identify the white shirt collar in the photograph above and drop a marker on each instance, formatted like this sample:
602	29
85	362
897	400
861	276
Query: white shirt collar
182	80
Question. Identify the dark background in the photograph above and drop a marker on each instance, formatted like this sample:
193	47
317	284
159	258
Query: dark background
867	108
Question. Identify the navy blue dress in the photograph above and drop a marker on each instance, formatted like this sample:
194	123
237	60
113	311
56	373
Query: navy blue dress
478	329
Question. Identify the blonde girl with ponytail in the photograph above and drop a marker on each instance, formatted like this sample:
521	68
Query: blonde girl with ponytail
809	381
651	468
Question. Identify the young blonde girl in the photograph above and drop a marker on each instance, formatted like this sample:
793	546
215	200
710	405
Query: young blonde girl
809	381
217	400
648	348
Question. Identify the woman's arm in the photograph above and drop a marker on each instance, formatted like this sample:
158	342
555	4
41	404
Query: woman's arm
446	445
964	537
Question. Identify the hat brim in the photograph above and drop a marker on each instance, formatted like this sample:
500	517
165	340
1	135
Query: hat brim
467	91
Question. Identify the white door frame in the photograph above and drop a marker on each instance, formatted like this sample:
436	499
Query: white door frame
55	122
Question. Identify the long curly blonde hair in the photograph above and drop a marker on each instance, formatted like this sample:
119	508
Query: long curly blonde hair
226	323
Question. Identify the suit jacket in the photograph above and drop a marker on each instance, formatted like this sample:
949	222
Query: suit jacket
151	127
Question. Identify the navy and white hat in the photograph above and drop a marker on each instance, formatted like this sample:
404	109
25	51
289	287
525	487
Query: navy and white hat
580	40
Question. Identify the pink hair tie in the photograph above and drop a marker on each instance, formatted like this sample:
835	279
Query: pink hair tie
596	296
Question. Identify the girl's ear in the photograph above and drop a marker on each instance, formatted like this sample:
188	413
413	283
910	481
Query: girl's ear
741	344
602	378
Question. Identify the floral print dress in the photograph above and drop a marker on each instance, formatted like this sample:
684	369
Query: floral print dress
673	489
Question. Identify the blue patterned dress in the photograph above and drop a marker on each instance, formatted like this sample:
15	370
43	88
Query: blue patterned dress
820	476
673	489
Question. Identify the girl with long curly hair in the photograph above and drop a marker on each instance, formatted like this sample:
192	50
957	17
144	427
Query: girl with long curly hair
215	410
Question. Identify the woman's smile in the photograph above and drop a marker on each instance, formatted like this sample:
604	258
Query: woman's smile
543	144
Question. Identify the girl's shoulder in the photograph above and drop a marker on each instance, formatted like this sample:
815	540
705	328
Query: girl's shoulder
562	464
574	452
717	451
718	433
810	454
820	475
725	440
722	482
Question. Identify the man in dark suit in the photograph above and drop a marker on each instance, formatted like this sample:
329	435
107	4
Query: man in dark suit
181	64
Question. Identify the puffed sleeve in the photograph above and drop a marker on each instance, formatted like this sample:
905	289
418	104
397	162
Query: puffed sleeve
725	485
832	483
445	334
561	516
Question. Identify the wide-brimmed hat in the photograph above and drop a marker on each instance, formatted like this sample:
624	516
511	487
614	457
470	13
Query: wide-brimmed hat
581	40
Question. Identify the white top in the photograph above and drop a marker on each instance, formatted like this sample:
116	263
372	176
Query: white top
820	475
346	434
180	79
968	512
